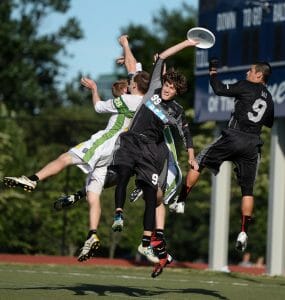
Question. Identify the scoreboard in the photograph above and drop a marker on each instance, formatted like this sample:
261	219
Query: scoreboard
246	32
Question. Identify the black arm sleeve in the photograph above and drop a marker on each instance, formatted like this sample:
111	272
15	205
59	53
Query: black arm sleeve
270	118
187	137
220	89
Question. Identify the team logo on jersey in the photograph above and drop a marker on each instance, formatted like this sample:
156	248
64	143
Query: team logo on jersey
154	105
118	102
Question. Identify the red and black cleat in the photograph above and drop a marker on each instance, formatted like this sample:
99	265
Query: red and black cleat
163	262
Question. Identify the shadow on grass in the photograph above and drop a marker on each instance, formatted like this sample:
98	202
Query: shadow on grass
113	290
244	278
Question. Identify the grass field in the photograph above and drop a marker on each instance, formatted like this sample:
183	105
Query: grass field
27	282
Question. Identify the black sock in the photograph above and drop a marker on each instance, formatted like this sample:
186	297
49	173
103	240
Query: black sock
80	194
34	177
161	252
91	231
159	234
183	193
146	241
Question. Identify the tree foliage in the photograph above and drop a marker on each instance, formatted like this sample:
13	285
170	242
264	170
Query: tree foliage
30	61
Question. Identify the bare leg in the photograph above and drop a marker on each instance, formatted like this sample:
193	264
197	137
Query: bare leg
55	166
247	204
92	243
160	216
192	178
94	210
159	211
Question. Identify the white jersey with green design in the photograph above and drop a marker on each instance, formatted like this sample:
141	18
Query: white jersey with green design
97	150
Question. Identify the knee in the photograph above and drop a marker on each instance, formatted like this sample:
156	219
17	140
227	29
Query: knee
93	199
65	159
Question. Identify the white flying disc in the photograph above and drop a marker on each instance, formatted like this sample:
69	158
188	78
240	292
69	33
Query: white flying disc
204	36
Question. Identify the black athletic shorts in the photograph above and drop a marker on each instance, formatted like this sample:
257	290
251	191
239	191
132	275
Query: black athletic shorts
242	148
145	157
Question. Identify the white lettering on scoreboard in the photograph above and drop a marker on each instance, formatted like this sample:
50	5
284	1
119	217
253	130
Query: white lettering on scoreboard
252	16
202	58
278	92
278	12
226	21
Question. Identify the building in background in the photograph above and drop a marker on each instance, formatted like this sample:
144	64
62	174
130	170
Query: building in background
104	83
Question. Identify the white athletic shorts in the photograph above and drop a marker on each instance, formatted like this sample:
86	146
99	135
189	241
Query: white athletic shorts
95	180
97	151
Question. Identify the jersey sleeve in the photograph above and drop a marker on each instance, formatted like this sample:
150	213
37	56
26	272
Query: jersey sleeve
221	89
105	106
155	81
268	122
188	141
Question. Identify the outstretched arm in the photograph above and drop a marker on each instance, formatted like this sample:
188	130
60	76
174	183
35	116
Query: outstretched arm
178	47
129	59
91	85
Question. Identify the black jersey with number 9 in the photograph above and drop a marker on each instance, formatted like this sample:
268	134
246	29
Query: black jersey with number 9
253	104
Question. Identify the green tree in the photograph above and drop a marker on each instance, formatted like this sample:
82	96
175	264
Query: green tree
30	61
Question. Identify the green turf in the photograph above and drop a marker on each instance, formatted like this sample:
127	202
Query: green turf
91	282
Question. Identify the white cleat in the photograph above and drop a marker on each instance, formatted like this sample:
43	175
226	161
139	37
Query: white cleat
89	247
148	253
23	182
241	242
177	207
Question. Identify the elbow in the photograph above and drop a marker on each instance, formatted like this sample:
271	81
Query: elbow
97	108
218	92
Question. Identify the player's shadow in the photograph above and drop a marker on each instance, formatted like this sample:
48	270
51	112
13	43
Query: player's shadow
241	277
113	290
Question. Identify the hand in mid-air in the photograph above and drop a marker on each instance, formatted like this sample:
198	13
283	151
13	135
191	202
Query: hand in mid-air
123	40
213	65
120	60
89	83
193	163
193	42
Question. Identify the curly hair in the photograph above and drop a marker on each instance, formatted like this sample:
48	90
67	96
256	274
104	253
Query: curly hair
177	79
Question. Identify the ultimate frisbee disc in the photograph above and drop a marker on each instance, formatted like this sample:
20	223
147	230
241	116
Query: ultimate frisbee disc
204	36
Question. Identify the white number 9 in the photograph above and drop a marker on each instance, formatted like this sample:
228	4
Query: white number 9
154	179
259	107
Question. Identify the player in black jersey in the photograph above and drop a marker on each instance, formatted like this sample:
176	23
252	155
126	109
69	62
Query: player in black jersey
142	149
240	142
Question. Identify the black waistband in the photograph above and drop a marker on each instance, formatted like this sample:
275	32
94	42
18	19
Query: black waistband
234	124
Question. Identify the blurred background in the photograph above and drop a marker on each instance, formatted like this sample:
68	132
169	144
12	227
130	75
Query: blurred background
46	47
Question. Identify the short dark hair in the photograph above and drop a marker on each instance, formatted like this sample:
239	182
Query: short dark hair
142	78
265	68
177	79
